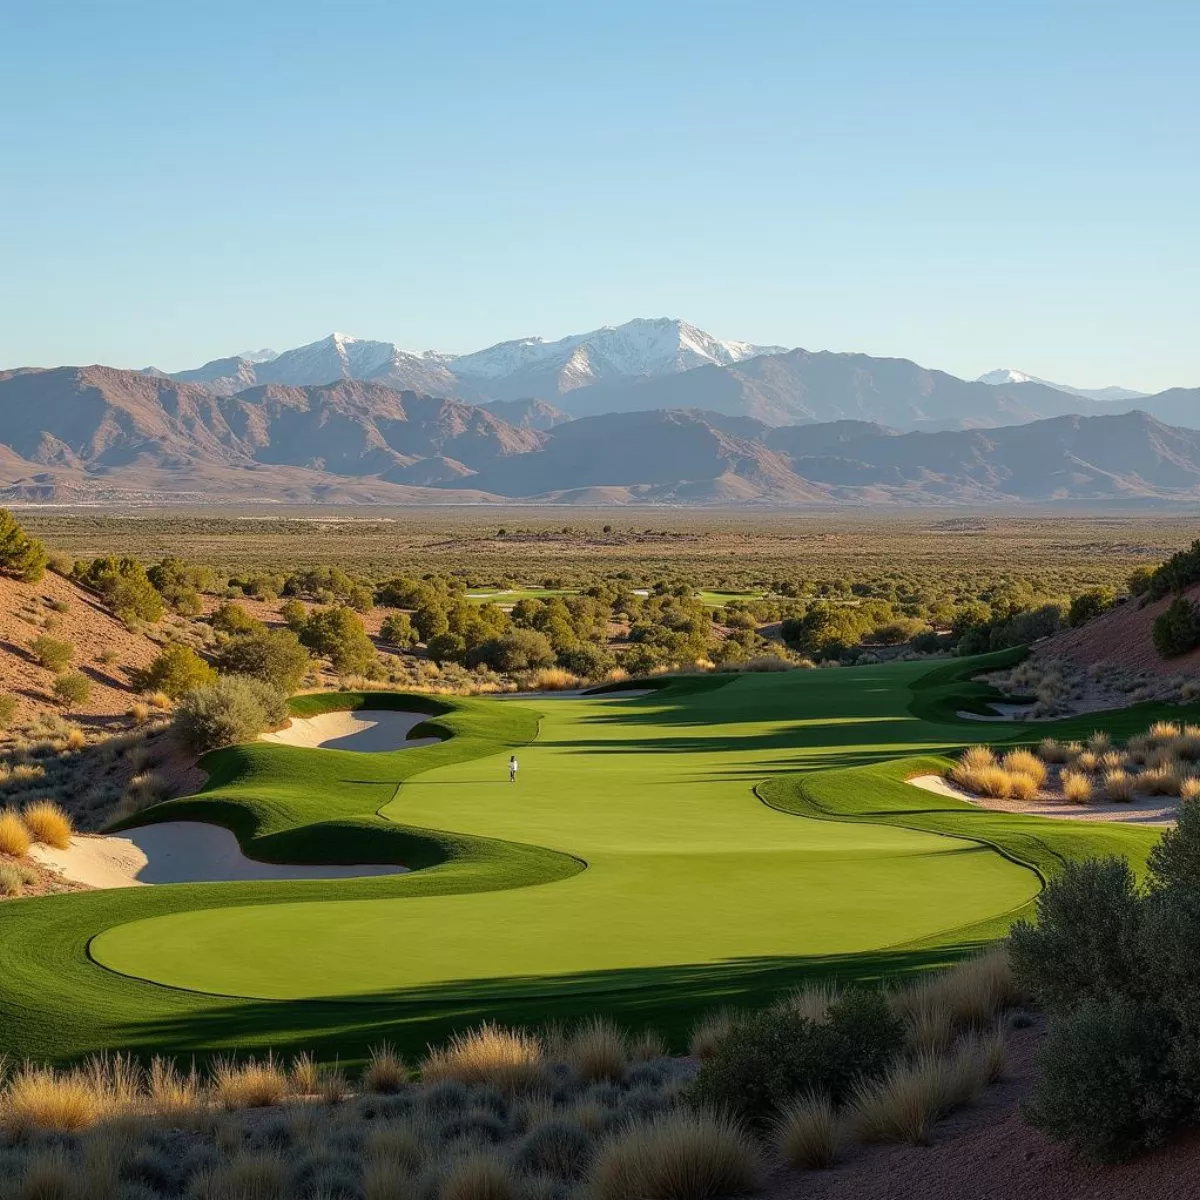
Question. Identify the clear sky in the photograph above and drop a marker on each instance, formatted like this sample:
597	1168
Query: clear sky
968	183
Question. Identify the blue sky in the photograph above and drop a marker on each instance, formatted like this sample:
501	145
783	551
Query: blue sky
969	183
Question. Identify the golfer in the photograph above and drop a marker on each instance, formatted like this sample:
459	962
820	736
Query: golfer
512	769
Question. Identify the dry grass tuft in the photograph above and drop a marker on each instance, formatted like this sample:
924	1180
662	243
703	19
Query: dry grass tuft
480	1176
1163	731
1189	788
1118	786
709	1031
969	996
253	1083
15	838
647	1046
1099	741
808	1134
994	782
1052	751
1076	787
386	1072
596	1051
976	758
1022	787
246	1176
509	1059
172	1094
682	1156
552	679
1025	762
1159	781
47	823
1088	760
811	1001
40	1098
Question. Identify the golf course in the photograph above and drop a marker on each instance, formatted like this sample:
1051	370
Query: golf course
709	840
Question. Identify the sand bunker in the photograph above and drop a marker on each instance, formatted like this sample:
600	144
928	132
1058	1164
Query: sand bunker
179	852
373	730
1144	811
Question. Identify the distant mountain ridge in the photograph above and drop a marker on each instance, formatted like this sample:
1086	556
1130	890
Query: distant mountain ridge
101	434
1006	375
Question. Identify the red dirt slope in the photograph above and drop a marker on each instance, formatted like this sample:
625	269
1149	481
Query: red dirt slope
1122	637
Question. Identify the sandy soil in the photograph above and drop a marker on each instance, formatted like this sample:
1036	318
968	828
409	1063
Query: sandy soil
1156	810
178	852
988	1153
374	730
26	612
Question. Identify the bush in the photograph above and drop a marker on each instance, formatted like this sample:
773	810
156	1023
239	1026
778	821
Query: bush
233	618
1177	630
294	614
1085	941
51	653
125	586
397	630
176	671
338	634
233	709
773	1056
72	690
1175	858
517	650
274	656
1090	604
1104	1085
8	710
20	555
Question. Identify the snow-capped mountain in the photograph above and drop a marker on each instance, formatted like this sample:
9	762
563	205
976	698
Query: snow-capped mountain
1006	375
338	356
657	346
522	369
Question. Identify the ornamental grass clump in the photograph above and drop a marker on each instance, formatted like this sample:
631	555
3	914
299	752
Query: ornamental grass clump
512	1060
1076	787
1119	786
1025	762
48	824
15	838
808	1133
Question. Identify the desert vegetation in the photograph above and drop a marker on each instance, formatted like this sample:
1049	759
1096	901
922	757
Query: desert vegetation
585	1110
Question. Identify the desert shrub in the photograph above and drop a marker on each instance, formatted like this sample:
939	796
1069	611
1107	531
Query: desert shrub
808	1132
1090	604
1176	630
21	556
8	710
772	1056
693	1155
176	670
233	618
52	653
125	587
397	630
1175	858
1084	941
274	656
47	823
233	709
1052	751
1104	1085
72	689
338	635
516	650
1076	787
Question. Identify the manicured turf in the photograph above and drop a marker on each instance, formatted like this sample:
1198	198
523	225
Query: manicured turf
714	841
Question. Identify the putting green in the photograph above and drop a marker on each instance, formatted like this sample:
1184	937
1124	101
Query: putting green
685	864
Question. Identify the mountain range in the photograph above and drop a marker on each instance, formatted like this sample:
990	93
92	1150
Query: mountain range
667	363
99	434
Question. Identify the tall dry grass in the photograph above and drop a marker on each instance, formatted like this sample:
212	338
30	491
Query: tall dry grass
709	1031
386	1071
808	1133
48	823
680	1156
250	1083
1118	786
1076	787
597	1050
512	1060
1025	762
15	838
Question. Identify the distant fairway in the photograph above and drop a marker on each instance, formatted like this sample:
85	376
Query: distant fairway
710	843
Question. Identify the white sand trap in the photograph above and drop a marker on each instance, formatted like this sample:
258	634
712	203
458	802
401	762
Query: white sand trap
179	852
373	730
1000	712
1144	811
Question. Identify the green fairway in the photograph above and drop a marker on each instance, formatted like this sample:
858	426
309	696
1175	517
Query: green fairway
716	840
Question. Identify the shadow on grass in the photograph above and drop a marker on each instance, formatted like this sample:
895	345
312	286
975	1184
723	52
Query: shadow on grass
669	999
